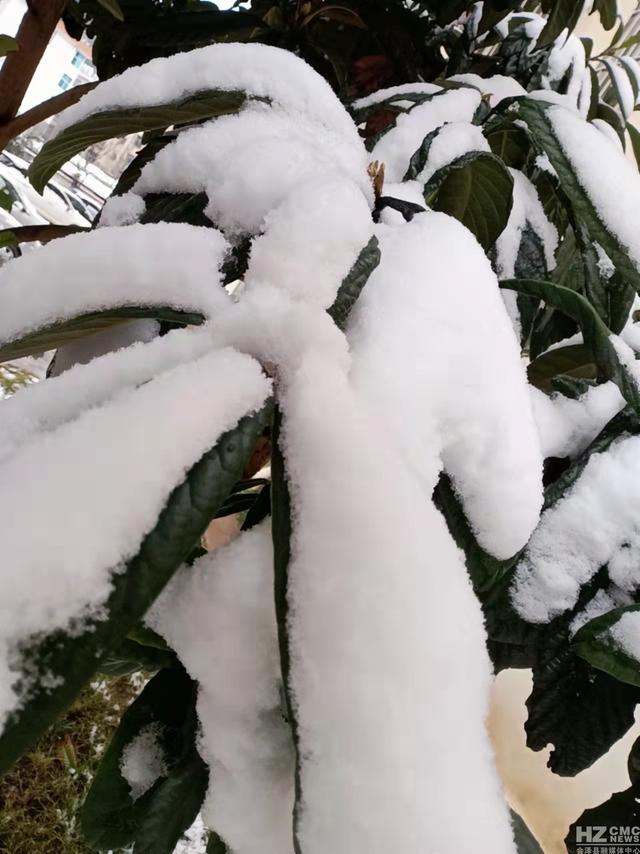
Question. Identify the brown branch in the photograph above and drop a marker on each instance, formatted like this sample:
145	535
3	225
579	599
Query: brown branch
33	36
37	114
43	233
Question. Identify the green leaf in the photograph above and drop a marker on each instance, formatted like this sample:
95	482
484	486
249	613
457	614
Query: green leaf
509	142
579	710
109	817
7	44
420	157
476	189
7	238
525	840
5	200
114	7
189	509
52	337
354	282
113	123
176	207
564	15
608	11
216	845
541	129
595	333
574	360
173	808
281	536
594	643
484	570
622	810
634	136
612	118
627	43
132	657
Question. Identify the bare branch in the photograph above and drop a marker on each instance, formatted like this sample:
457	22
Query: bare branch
37	114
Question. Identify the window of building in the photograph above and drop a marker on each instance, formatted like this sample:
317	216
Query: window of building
64	82
78	59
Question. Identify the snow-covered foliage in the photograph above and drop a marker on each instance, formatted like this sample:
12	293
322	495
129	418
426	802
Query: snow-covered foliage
432	344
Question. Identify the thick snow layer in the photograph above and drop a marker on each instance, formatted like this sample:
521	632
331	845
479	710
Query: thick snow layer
567	57
83	350
608	133
526	210
622	86
47	405
376	620
626	634
585	145
311	241
137	265
454	140
248	164
395	92
109	462
603	602
219	616
122	210
596	523
497	87
143	761
398	145
434	304
259	70
566	426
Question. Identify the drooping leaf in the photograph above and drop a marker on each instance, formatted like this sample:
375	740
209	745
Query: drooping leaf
110	817
354	282
594	643
173	808
564	15
579	710
595	334
189	509
113	6
476	189
113	123
52	337
216	845
541	129
525	840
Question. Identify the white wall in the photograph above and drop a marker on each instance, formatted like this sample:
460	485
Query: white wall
55	62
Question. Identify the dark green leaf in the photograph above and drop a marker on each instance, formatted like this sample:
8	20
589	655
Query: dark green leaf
595	333
7	238
109	816
7	44
131	657
535	115
419	158
173	808
52	337
564	15
476	189
612	118
189	509
574	360
354	282
114	7
509	142
594	643
5	200
216	845
176	207
525	840
634	136
113	123
579	710
608	11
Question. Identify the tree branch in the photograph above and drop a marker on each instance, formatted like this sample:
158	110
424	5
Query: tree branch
37	114
33	36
